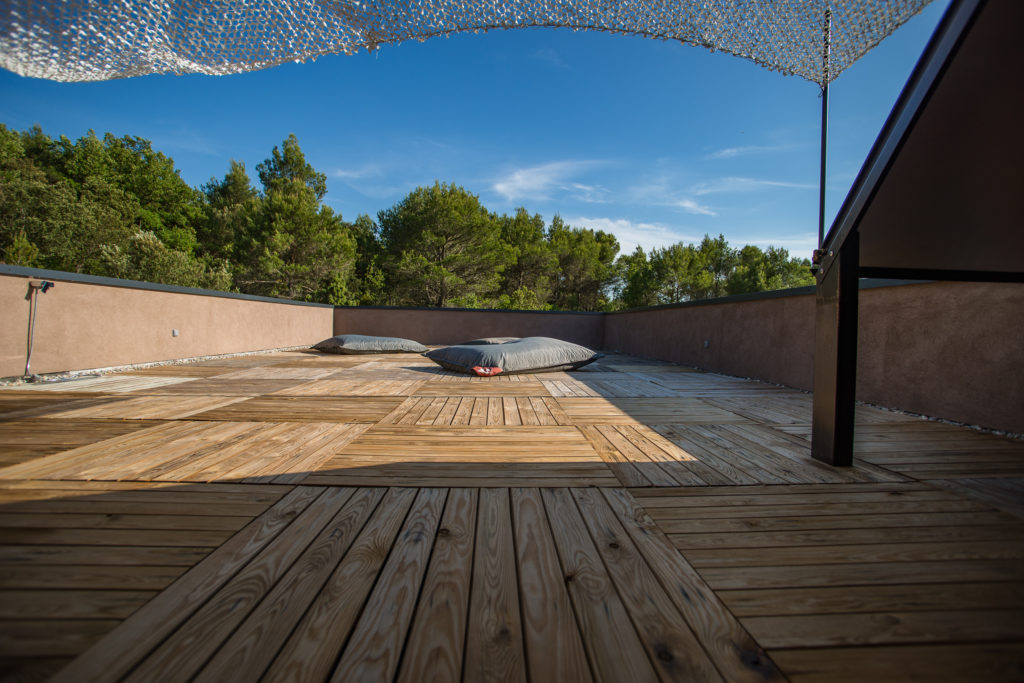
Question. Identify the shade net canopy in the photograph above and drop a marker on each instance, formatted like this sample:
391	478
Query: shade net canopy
89	40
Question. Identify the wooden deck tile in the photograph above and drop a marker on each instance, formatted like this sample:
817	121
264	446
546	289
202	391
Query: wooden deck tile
67	586
145	408
16	405
178	370
353	387
482	388
828	568
198	451
304	409
109	384
465	456
219	386
648	411
23	440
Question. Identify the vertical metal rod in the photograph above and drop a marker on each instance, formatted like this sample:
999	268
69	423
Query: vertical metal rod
33	296
826	54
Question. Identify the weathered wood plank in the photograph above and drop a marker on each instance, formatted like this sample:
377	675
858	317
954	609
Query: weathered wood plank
131	640
876	598
180	656
886	628
435	646
375	646
671	645
251	648
735	654
312	649
554	650
614	649
494	637
995	662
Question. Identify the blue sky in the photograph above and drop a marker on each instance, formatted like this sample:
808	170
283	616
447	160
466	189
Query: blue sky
653	141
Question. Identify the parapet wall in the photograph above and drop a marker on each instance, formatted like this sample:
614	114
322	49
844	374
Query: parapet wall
89	322
949	350
455	325
945	349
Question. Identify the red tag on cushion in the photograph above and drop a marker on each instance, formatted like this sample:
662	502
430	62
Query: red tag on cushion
486	372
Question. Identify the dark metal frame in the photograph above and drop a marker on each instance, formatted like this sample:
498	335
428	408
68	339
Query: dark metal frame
835	356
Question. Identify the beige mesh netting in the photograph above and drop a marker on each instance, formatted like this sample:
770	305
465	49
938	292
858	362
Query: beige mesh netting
87	40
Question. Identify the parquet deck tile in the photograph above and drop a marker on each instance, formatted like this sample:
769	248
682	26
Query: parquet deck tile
813	572
305	409
108	384
219	386
647	411
17	405
324	517
178	370
23	440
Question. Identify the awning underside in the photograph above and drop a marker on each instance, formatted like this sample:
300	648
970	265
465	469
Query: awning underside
82	40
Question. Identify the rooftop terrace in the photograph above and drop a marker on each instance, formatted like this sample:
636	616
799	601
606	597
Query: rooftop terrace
303	516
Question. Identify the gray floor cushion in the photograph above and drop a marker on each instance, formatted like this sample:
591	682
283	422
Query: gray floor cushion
530	354
361	343
487	341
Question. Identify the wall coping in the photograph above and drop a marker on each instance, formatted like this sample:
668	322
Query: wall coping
43	274
865	283
434	309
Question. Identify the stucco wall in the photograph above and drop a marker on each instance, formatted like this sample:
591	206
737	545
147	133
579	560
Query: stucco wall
451	326
770	339
81	325
951	350
945	349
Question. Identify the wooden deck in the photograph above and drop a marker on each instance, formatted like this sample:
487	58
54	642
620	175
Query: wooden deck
306	517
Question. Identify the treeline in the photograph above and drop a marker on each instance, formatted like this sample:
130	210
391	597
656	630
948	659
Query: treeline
117	207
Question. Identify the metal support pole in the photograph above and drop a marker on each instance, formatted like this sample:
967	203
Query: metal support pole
826	54
835	356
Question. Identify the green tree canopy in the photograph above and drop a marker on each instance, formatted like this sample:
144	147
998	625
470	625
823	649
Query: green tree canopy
442	248
293	246
115	206
585	266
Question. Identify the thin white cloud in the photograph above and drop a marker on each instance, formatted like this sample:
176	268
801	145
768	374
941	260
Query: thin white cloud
631	234
746	150
735	184
550	56
660	193
540	182
690	206
357	173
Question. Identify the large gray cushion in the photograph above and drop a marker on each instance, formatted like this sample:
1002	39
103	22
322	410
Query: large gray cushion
486	341
361	343
530	354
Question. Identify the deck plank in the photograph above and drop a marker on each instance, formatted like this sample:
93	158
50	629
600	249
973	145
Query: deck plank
554	649
252	647
494	637
615	650
375	646
315	644
126	645
438	634
668	639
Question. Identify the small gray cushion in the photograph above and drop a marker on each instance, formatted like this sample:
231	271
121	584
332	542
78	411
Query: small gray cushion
530	354
361	343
